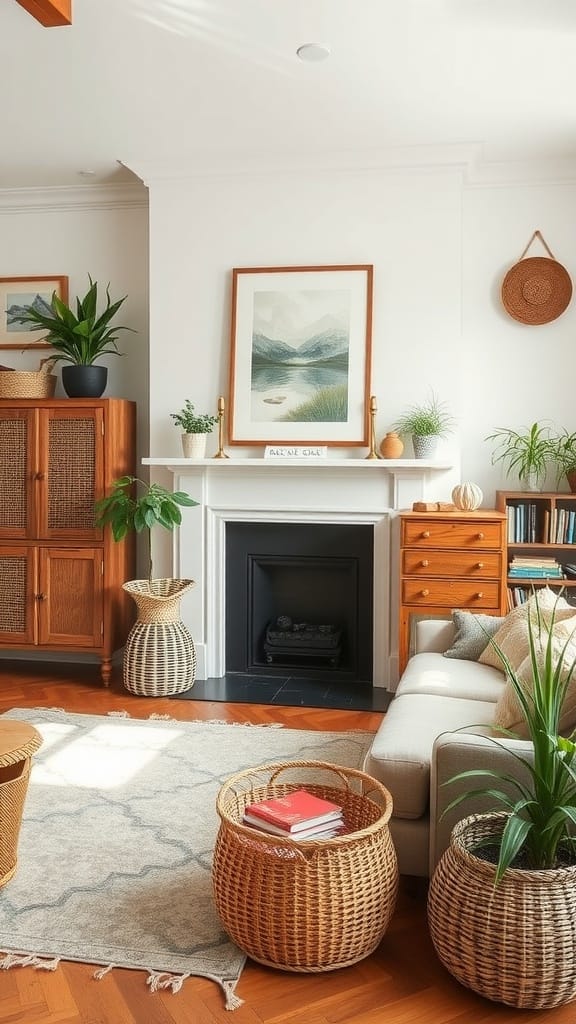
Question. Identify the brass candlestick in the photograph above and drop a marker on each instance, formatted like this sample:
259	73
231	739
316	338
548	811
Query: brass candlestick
373	454
221	454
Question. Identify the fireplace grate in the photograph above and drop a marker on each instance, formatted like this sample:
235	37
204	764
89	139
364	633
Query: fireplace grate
285	638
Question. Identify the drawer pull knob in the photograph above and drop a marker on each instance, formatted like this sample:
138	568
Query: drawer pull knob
479	595
424	593
479	536
39	476
424	562
425	533
479	565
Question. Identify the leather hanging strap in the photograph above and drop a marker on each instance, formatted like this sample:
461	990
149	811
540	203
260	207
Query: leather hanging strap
538	234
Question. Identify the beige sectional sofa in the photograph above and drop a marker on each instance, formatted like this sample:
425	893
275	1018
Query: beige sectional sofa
436	725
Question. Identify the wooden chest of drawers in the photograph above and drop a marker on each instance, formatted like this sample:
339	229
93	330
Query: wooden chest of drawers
450	560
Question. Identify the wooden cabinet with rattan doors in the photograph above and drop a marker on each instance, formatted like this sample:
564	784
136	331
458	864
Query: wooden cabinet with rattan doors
60	575
450	560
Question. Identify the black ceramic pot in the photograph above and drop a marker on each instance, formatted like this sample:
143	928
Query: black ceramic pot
84	381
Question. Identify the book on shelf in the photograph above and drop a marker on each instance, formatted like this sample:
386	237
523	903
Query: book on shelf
295	811
326	830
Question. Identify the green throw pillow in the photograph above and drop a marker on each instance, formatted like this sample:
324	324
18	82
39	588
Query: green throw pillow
473	633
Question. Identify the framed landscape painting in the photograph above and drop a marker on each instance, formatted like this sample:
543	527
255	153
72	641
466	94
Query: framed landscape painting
301	355
16	292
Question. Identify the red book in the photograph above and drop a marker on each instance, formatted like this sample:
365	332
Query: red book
295	811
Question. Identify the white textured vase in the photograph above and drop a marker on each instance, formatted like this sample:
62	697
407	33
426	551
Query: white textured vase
424	445
194	445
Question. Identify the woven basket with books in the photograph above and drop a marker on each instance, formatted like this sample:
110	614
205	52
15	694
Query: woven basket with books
306	905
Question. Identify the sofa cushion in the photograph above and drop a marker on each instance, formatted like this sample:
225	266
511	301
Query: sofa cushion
512	637
402	748
472	633
508	713
432	674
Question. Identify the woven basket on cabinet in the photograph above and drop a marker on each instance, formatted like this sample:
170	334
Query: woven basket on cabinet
514	942
26	384
159	655
312	905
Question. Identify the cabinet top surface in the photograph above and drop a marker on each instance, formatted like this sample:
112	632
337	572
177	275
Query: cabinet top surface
535	495
477	514
61	403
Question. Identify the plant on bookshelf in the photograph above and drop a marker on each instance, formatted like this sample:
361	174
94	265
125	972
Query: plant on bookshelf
527	452
564	451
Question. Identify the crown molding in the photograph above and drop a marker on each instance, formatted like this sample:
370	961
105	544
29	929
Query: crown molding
58	199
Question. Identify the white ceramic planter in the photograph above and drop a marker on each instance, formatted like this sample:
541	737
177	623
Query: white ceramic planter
194	445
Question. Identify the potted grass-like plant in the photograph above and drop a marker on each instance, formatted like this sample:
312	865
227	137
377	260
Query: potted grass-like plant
159	656
527	452
426	423
508	879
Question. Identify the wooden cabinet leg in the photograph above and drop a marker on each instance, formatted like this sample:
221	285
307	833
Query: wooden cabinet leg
106	670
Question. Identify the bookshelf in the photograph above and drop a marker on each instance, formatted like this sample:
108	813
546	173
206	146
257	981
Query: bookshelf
541	527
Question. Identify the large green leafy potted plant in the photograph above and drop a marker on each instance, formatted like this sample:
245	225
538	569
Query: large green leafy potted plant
79	338
159	656
195	429
526	452
426	423
507	882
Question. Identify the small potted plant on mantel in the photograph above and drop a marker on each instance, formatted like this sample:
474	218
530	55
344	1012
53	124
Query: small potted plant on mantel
79	338
195	430
426	423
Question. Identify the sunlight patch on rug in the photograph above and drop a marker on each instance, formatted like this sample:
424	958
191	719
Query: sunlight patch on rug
115	852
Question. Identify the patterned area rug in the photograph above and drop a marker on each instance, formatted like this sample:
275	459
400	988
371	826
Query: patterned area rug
117	837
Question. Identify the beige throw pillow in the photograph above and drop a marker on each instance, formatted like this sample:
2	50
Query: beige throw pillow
508	713
512	637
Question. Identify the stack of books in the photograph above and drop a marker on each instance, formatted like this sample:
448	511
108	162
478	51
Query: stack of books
299	815
535	568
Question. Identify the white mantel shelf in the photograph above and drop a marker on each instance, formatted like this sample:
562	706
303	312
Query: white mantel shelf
388	465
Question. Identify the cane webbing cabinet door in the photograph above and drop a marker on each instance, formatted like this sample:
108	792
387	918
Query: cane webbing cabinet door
61	575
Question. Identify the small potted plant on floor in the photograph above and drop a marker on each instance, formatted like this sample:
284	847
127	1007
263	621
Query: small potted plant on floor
159	656
527	452
79	337
195	429
426	423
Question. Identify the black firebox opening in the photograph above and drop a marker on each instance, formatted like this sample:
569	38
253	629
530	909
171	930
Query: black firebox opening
299	598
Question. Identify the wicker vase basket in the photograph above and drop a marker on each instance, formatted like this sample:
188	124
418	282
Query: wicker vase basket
159	655
514	942
312	905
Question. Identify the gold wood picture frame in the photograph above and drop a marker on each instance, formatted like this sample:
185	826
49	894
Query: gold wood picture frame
301	355
16	292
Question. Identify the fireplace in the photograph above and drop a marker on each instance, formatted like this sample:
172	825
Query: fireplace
334	492
299	598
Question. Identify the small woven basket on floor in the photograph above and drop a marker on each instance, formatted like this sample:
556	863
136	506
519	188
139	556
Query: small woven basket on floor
312	905
514	942
18	741
159	655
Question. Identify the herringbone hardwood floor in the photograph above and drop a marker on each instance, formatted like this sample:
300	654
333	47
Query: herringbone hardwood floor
402	983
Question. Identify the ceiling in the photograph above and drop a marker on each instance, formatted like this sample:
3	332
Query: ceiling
208	83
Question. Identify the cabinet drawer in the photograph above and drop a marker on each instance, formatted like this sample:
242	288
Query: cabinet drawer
445	534
484	565
451	594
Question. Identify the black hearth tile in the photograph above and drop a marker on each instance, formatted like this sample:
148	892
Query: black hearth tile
242	688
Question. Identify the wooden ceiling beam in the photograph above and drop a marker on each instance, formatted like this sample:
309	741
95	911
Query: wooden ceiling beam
49	13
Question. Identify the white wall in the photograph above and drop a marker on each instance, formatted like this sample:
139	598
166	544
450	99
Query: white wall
76	232
440	246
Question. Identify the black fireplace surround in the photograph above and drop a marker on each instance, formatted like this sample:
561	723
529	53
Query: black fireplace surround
317	579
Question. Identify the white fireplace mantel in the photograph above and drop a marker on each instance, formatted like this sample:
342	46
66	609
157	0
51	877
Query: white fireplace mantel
331	490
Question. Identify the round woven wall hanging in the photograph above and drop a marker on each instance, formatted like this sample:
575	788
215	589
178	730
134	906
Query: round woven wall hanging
538	289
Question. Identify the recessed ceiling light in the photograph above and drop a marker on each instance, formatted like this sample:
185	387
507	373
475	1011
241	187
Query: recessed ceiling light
313	51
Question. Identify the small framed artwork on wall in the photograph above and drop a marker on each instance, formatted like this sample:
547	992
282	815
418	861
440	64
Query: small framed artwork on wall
16	292
301	355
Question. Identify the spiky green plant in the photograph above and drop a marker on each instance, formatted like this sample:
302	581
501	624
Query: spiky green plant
80	337
125	512
541	814
527	451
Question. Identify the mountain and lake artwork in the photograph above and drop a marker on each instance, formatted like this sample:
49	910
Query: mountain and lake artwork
300	356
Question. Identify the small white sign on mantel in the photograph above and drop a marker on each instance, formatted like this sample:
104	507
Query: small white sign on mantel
288	451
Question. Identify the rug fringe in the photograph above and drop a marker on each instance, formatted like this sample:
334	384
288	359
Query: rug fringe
232	1000
118	714
102	971
28	960
163	979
